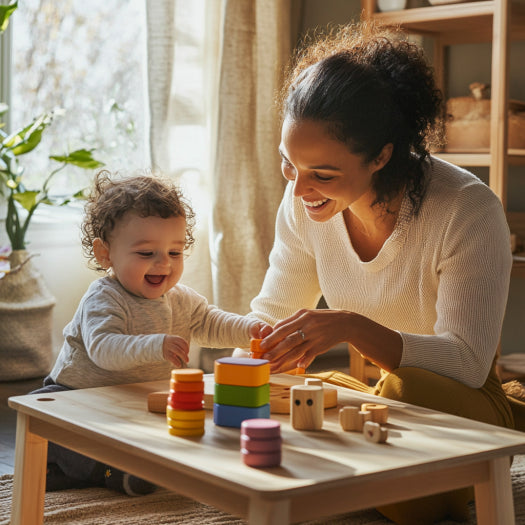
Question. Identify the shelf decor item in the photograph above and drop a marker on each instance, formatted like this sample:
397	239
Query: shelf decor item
468	122
391	5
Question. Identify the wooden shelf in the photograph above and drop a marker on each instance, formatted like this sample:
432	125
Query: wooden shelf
455	23
516	157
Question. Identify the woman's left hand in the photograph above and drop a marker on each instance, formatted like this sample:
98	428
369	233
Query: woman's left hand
297	340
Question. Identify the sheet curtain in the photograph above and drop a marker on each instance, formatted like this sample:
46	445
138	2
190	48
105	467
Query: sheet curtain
245	48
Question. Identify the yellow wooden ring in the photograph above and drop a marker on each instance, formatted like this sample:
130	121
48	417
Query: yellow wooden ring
181	423
186	431
186	415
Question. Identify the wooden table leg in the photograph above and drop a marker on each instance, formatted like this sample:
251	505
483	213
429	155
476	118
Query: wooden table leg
29	484
267	512
494	502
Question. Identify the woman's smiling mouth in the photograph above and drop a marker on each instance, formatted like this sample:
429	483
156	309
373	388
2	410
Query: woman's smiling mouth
314	204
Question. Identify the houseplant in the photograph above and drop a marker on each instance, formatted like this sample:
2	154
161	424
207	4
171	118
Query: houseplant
25	302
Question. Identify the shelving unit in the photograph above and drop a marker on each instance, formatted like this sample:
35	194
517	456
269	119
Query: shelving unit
495	21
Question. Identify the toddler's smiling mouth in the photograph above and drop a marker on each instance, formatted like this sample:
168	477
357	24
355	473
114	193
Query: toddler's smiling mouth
154	279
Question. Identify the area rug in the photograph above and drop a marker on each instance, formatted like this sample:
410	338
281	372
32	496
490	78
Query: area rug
103	507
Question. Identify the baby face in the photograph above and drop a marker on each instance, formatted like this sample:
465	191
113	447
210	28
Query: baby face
146	254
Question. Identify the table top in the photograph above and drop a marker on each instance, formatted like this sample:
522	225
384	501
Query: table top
419	440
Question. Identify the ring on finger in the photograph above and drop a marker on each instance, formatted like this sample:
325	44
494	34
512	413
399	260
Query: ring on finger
301	333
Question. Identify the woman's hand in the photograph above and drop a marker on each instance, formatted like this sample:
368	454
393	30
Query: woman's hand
297	340
175	349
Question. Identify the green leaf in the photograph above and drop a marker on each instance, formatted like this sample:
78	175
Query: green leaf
81	157
5	12
82	194
28	138
27	199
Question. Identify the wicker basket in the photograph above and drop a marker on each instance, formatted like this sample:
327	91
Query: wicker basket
26	310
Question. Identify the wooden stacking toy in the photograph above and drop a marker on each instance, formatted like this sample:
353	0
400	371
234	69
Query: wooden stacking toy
242	390
261	442
185	413
379	413
353	419
374	432
306	407
255	349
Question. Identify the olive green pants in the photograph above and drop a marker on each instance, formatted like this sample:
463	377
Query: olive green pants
427	389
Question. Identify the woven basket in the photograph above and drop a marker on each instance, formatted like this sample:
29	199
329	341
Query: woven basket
26	314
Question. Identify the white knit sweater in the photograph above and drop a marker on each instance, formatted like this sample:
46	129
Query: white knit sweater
441	279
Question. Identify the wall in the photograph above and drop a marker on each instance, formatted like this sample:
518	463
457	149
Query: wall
467	64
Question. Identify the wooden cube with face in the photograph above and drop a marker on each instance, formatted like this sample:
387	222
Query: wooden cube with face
306	407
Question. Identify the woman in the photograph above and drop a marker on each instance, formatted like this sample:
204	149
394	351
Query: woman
411	254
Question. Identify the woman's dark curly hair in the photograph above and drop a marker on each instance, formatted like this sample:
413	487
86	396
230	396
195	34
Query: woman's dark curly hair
371	87
146	195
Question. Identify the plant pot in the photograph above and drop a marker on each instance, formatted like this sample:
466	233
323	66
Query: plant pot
26	310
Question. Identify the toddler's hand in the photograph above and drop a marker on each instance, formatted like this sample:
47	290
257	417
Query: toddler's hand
175	349
260	330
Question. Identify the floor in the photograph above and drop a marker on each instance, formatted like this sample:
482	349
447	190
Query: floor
337	358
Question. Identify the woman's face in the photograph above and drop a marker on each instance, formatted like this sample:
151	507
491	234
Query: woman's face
327	176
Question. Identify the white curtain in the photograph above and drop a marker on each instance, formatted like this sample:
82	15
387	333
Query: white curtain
214	67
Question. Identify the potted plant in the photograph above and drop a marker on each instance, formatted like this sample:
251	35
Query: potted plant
25	302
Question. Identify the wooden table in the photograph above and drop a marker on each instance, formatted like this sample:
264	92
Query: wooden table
322	472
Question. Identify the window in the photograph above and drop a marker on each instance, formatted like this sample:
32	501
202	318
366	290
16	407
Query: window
87	62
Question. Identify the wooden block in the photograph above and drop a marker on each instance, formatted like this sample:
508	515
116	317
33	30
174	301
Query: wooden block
244	396
379	412
314	381
255	350
241	371
364	416
232	416
157	401
374	432
350	419
306	407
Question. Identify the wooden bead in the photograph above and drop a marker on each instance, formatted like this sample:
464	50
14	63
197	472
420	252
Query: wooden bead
374	432
349	418
314	381
379	412
364	416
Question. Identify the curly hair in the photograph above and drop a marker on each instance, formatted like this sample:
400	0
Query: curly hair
370	86
146	195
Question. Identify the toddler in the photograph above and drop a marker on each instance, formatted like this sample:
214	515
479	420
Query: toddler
136	323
